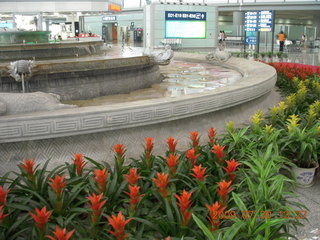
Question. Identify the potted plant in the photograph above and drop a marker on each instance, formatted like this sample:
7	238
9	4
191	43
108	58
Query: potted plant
255	55
301	146
269	54
262	56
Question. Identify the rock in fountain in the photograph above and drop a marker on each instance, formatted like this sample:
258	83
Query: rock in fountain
162	56
218	55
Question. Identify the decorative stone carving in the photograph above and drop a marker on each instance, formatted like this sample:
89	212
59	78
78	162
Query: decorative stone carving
18	103
218	55
162	56
19	68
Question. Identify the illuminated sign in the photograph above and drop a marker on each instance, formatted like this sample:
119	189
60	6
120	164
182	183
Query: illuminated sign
6	25
185	24
114	7
109	18
258	21
265	21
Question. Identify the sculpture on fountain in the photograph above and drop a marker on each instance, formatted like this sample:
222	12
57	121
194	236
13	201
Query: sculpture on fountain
21	70
218	55
162	56
19	103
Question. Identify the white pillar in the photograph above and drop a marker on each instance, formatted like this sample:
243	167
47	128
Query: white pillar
238	21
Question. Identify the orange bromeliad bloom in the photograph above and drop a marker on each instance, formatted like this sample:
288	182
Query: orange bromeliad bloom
78	161
57	184
195	138
224	189
119	150
118	223
41	218
61	234
100	178
172	162
185	204
218	150
96	205
28	166
149	146
190	154
212	135
134	195
3	196
232	167
162	183
199	172
171	144
132	178
2	215
215	211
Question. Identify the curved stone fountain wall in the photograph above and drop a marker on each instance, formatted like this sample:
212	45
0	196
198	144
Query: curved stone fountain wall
86	78
49	50
94	130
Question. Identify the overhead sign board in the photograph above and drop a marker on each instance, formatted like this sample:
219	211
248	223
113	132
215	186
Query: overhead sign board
258	21
109	18
186	16
265	21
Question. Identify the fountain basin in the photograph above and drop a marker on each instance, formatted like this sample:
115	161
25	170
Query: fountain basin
94	130
87	77
12	52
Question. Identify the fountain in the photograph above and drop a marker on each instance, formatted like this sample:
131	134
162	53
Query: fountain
31	129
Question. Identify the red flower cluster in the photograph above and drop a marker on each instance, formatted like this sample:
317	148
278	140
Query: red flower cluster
119	150
190	154
172	144
78	161
132	178
148	147
96	205
218	150
199	172
161	183
41	218
185	204
231	168
212	134
134	196
101	179
215	210
195	138
3	196
61	234
28	166
57	184
172	162
291	70
224	189
118	223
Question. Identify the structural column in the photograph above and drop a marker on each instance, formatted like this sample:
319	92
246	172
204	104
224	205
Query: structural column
316	24
238	19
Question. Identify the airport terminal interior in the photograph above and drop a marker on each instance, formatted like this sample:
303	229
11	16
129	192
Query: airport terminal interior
160	119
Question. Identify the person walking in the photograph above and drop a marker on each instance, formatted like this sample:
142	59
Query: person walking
304	41
281	38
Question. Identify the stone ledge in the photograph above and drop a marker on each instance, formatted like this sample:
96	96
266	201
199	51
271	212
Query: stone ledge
258	80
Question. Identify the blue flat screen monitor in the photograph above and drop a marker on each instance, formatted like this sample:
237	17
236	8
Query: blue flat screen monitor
185	29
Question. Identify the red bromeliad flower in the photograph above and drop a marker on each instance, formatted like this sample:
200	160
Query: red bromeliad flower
218	150
119	150
118	223
57	184
132	178
194	136
198	172
212	135
190	154
96	205
215	211
2	215
3	196
232	167
100	178
149	146
162	183
185	204
61	234
41	218
224	189
172	162
28	166
171	145
134	195
78	161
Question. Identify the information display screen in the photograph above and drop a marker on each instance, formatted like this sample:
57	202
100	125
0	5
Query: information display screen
258	21
185	24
